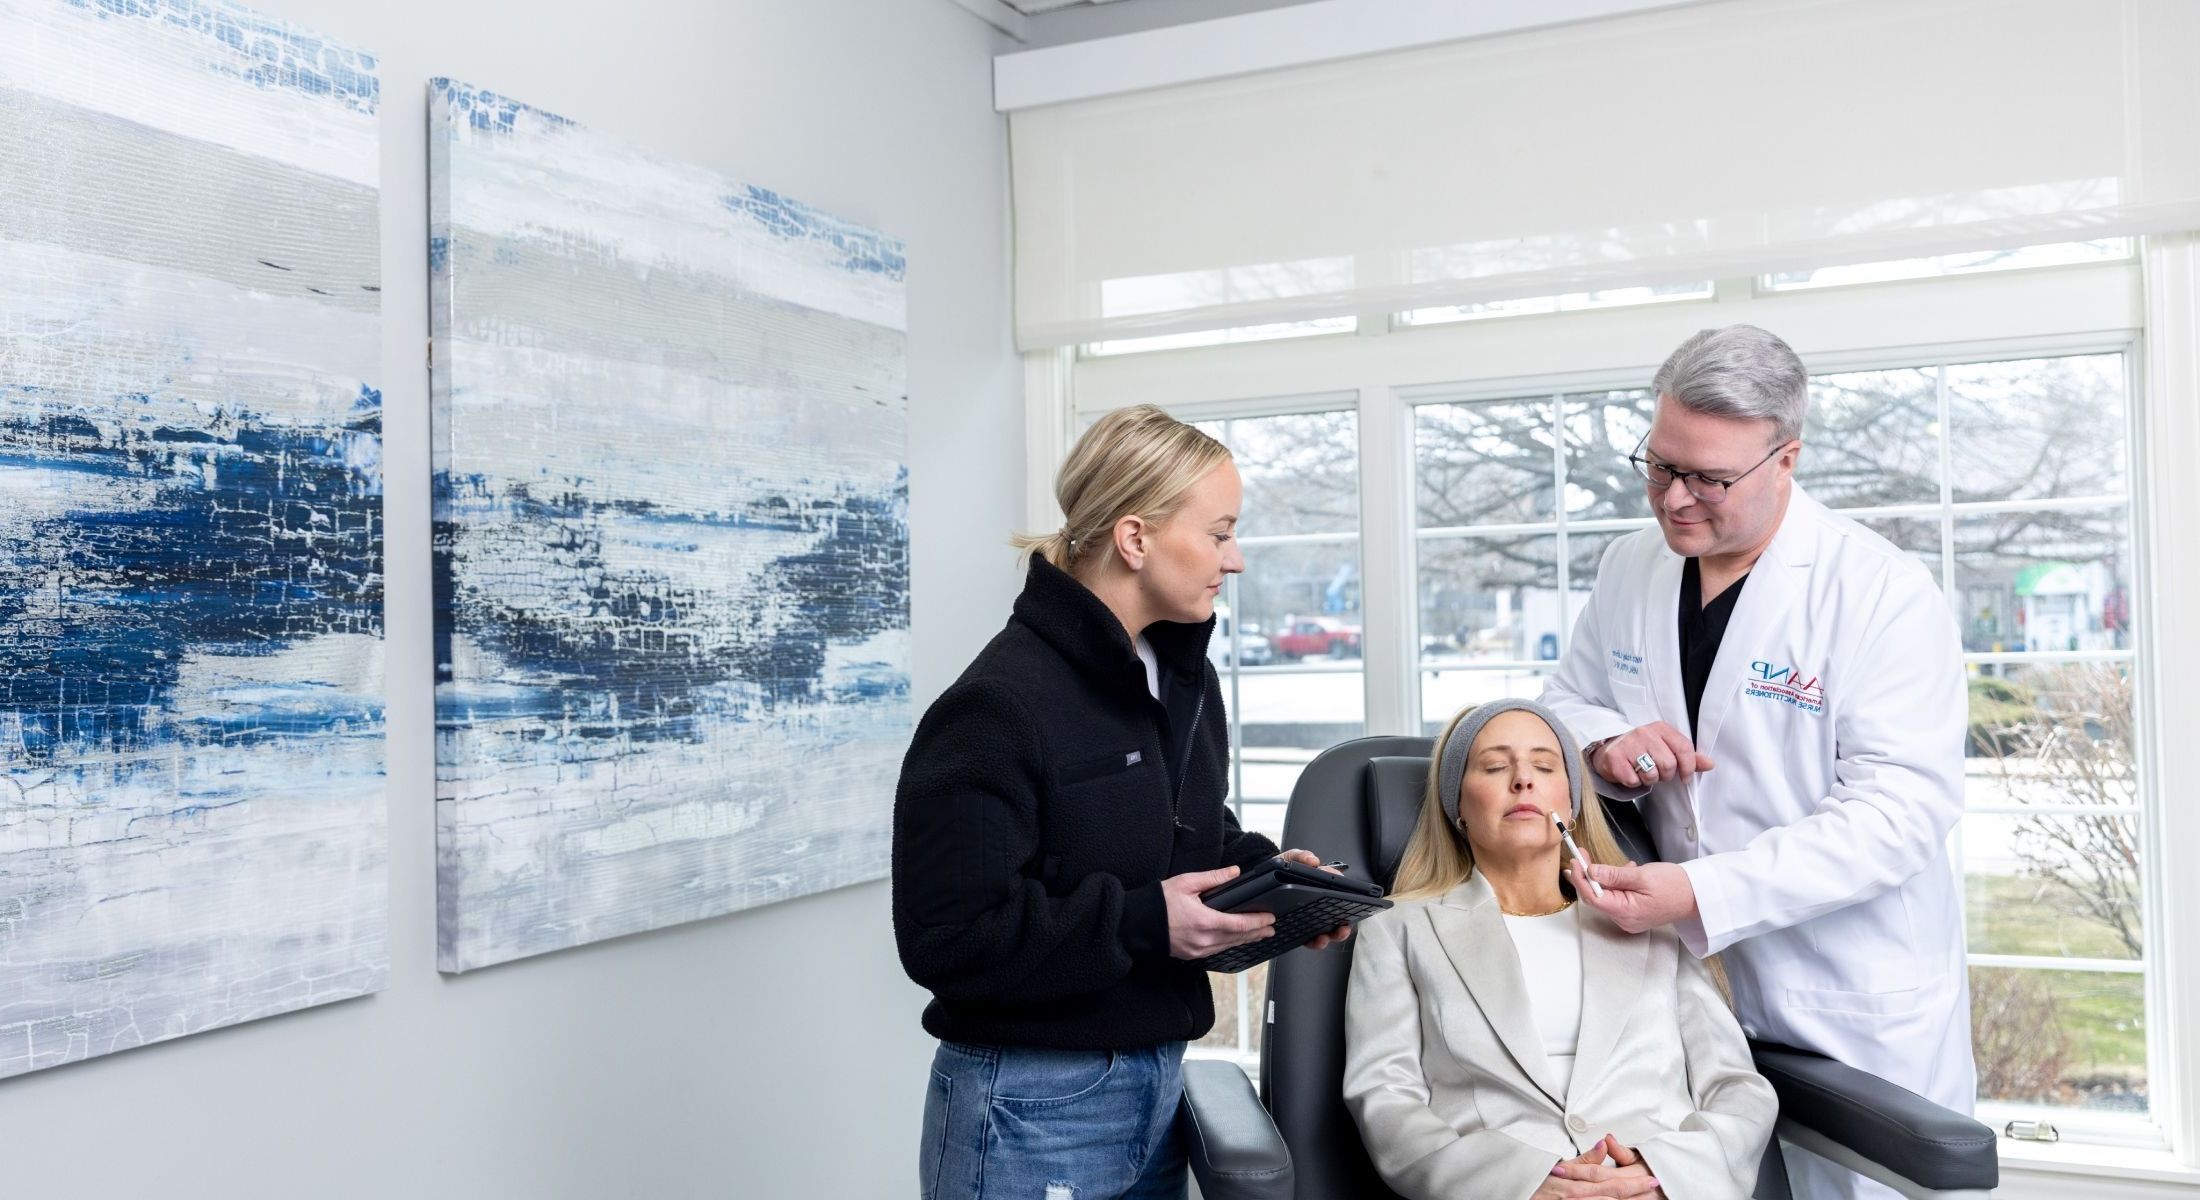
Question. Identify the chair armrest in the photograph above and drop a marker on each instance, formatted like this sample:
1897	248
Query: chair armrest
1878	1123
1235	1150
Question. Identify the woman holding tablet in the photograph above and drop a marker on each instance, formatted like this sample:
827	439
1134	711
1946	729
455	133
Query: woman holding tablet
1058	815
1501	1040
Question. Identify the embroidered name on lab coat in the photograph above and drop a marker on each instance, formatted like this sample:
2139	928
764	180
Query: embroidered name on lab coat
1789	685
1624	663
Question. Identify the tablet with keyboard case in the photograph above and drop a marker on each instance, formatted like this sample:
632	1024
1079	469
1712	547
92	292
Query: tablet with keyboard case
1307	901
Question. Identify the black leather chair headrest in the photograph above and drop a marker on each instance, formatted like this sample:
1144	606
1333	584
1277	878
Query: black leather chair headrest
1392	798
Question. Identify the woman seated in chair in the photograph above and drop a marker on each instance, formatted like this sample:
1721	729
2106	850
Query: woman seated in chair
1503	1042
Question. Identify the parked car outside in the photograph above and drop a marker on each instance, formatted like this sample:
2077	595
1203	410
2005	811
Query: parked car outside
1253	649
1315	637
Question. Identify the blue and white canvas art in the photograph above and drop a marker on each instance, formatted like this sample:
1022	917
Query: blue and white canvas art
192	812
672	610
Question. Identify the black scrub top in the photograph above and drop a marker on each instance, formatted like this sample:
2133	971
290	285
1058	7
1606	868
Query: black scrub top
1703	627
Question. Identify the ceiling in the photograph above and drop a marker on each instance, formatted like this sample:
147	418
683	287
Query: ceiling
1037	23
1034	7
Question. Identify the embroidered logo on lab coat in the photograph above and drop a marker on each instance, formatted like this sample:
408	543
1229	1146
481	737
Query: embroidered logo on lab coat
1789	685
1624	663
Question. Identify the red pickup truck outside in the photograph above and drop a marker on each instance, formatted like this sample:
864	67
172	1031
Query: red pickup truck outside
1315	637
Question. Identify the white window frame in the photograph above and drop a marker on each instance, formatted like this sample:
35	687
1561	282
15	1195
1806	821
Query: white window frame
2017	313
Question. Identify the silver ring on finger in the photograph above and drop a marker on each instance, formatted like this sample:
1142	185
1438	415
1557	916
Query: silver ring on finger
1646	764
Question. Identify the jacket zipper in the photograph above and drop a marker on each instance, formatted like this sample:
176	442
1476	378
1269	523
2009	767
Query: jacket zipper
1184	769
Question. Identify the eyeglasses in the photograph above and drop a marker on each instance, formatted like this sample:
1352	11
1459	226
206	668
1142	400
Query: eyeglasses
1703	487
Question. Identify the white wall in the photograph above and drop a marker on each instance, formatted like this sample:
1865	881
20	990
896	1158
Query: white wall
770	1053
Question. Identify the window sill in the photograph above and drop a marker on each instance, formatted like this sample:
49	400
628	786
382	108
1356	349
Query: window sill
2039	1170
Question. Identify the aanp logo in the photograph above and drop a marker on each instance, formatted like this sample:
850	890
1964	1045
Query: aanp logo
1790	685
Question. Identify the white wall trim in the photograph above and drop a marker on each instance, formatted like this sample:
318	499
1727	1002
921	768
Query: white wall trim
1050	428
2059	1172
2169	431
2024	1183
1321	31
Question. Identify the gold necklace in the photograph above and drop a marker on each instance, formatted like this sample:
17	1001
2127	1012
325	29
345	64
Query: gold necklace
1552	913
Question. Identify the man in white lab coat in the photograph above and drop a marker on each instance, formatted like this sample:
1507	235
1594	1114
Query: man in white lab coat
1783	689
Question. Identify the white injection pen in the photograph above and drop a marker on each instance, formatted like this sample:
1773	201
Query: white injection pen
1566	836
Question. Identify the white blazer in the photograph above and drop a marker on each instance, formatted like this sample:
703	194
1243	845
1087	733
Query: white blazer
1817	845
1447	1079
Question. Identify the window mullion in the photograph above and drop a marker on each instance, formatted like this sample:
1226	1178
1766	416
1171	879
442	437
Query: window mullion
1389	591
2042	962
1235	729
1951	593
1558	511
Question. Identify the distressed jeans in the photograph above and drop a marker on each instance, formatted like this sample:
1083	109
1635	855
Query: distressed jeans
1011	1123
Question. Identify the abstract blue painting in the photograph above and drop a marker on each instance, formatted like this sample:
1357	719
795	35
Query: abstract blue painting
671	537
192	813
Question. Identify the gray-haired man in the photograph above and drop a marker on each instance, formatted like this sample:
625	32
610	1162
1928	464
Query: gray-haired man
1783	689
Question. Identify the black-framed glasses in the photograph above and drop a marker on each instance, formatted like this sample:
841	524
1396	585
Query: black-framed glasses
1703	487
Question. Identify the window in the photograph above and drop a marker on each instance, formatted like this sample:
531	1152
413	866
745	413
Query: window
2008	468
2058	254
2008	480
1222	337
1571	302
1288	634
1150	294
1515	500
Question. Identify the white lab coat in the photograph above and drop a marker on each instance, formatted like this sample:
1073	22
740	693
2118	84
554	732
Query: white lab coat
1835	714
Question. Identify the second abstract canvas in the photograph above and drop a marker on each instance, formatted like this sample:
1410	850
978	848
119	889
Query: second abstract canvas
671	537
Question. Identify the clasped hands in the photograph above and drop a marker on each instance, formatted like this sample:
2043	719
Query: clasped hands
1607	1170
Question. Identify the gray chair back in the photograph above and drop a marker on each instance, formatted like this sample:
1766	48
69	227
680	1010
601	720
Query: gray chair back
1339	812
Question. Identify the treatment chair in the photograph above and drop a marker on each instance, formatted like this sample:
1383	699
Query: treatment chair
1295	1140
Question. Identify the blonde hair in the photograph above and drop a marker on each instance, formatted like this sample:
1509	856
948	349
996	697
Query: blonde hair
1134	462
1438	857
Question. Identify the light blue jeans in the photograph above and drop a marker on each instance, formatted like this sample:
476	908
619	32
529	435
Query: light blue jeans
1010	1123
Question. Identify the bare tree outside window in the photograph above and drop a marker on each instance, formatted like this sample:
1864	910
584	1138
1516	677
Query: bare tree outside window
2068	886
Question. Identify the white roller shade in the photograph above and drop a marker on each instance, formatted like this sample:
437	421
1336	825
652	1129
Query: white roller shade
1708	142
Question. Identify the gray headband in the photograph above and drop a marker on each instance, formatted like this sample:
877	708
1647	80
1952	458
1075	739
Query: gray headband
1453	769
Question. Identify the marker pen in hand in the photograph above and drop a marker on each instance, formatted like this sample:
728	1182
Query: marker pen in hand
1567	837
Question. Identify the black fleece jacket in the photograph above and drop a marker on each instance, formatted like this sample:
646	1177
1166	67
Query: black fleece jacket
1044	798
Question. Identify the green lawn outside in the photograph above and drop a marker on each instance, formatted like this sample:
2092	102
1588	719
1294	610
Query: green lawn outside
2017	914
2103	1014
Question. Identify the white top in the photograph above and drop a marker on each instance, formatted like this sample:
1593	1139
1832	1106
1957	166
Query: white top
1550	960
1153	665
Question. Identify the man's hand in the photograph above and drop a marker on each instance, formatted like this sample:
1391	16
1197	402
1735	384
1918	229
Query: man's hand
1195	930
1674	755
1636	898
1321	941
